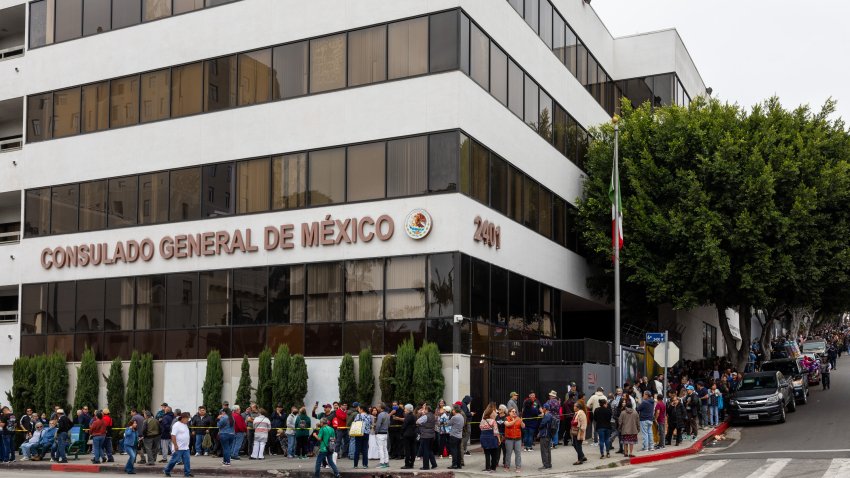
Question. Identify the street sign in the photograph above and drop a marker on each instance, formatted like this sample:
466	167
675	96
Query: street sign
672	355
654	337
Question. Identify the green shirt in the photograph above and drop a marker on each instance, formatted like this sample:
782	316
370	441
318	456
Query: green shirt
325	434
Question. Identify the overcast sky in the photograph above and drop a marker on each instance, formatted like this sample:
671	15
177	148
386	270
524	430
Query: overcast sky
749	50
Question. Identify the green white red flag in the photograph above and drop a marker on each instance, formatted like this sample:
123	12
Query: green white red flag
616	210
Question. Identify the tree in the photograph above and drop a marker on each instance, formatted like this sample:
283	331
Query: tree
213	382
298	380
132	396
243	392
366	383
387	378
145	392
265	382
88	381
346	382
428	382
22	393
39	368
115	389
405	358
280	377
56	381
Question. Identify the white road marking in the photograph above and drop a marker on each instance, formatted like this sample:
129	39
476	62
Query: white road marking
771	469
840	467
639	472
705	469
773	452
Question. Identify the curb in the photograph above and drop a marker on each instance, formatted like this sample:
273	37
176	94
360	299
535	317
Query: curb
691	450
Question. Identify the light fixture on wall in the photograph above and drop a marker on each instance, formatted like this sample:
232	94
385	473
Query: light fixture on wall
587	2
709	91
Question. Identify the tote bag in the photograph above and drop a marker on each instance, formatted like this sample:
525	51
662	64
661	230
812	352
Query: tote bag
356	429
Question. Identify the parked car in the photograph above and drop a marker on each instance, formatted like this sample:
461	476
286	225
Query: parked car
794	371
762	396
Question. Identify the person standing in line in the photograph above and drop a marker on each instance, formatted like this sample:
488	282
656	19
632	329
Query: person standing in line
426	425
361	443
240	430
107	441
646	410
261	434
291	420
592	403
692	407
578	430
555	408
602	417
456	424
396	421
302	433
180	438
324	436
489	439
512	403
200	425
531	415
825	369
150	439
97	430
131	439
676	419
513	439
444	429
661	419
341	439
278	423
165	423
501	418
382	428
225	434
467	429
629	428
713	404
408	434
545	436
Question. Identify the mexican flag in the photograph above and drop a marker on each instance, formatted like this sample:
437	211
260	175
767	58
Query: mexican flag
616	211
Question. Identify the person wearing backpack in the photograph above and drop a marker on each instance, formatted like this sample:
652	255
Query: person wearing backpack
490	439
326	439
302	433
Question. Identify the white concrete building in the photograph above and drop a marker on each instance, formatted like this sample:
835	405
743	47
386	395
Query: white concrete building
199	174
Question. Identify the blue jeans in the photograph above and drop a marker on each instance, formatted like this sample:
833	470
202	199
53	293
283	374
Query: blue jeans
646	431
321	457
352	441
61	445
290	445
97	445
712	415
179	455
131	458
199	444
3	448
604	439
8	447
237	445
555	438
528	436
703	415
361	447
227	440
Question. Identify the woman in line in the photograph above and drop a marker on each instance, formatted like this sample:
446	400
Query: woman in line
578	427
262	425
226	434
629	429
374	452
513	439
489	439
501	416
602	419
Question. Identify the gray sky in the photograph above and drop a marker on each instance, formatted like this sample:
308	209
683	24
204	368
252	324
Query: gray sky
749	50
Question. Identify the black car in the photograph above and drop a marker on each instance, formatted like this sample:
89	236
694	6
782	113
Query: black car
793	370
762	396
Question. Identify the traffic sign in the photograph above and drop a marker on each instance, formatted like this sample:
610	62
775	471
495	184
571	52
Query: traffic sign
672	354
654	337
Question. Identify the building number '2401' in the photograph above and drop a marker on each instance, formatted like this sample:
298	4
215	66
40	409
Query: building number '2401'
487	233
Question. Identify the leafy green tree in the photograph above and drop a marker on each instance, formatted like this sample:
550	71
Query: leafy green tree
132	396
387	378
280	377
265	382
298	379
145	391
428	382
366	383
22	393
39	369
88	381
213	382
346	382
243	392
405	358
115	389
56	381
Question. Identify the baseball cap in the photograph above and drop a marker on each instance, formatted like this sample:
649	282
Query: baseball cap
689	387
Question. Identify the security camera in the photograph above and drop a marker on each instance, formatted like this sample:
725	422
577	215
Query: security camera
458	318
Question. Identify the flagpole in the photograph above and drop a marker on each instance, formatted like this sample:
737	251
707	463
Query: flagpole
616	245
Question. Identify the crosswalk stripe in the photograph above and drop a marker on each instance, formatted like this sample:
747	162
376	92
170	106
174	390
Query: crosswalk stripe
771	469
838	467
705	469
639	472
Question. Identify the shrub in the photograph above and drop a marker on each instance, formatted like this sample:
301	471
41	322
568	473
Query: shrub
346	381
366	382
88	381
387	378
213	381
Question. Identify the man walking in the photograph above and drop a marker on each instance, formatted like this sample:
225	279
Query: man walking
646	411
180	441
324	437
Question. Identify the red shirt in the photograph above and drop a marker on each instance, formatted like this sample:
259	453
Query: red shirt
97	428
661	408
239	425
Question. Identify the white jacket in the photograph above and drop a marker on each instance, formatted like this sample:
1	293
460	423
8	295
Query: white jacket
593	401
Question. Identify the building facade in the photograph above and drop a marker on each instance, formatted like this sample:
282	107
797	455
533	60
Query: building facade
188	175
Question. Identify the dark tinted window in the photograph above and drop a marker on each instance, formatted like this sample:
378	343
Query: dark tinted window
581	64
66	112
408	48
367	56
95	100
126	13
62	307
249	296
558	38
498	295
559	129
93	205
291	68
480	287
443	157
220	83
515	88
405	287
444	41
69	19
499	184
364	290
327	176
327	63
397	331
33	308
185	188
531	102
323	340
254	185
219	190
544	117
248	341
215	292
289	181
363	336
123	201
187	90
465	168
37	219
407	172
120	304
515	183
480	173
96	16
558	221
498	74
39	117
153	198
516	297
150	302
286	294
545	209
155	95
442	279
479	48
182	300
255	77
64	209
124	101
325	292
530	203
571	47
366	171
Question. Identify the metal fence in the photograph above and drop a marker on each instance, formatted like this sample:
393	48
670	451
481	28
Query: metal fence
545	351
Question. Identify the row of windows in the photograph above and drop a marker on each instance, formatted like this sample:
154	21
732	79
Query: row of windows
495	71
384	52
54	21
344	304
435	43
659	90
411	166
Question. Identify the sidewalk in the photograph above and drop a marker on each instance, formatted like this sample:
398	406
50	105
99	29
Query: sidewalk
562	461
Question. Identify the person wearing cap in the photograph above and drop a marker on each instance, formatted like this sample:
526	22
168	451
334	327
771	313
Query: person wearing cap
512	403
555	407
278	423
107	441
323	436
161	411
32	441
63	426
180	437
544	433
692	406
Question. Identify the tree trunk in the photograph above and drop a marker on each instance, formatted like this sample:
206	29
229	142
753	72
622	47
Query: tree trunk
739	356
766	335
